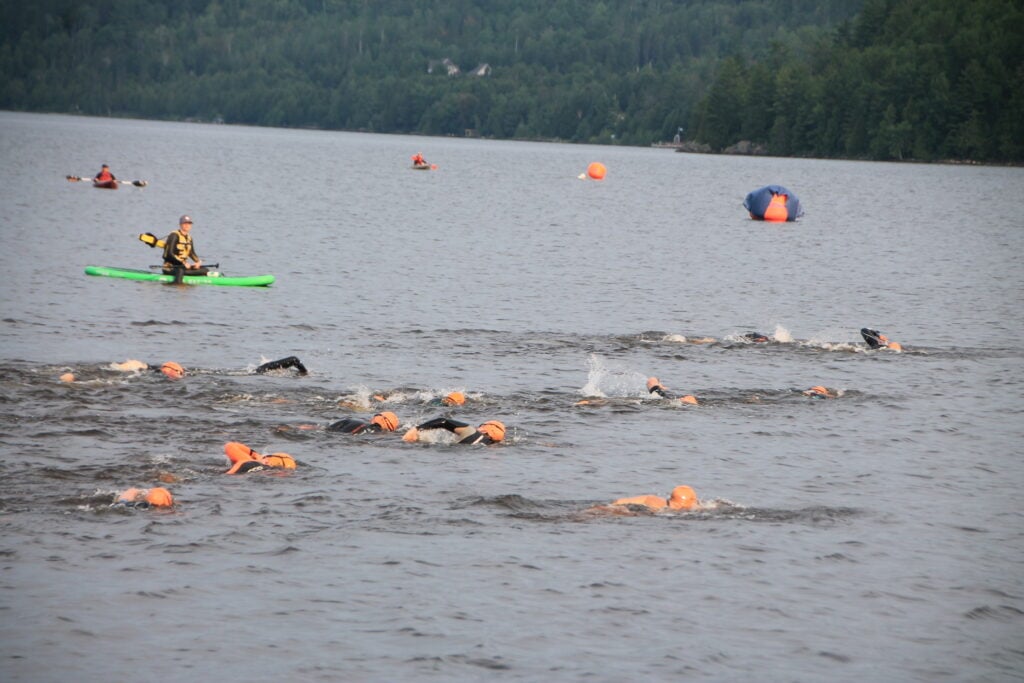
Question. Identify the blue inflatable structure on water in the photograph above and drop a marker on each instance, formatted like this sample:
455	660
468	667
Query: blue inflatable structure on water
773	203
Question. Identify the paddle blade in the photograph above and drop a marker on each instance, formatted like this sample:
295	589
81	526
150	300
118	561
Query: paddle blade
152	240
73	178
140	183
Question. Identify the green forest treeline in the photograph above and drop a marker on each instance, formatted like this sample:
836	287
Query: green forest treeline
879	79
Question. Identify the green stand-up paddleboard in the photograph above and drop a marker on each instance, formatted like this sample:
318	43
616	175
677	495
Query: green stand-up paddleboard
211	279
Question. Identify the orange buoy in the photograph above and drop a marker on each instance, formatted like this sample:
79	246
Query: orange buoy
777	211
596	171
67	377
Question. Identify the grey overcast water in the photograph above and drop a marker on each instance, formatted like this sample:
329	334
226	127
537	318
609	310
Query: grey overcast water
878	536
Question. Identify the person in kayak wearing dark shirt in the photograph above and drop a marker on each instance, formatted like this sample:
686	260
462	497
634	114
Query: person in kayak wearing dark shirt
381	422
488	433
178	249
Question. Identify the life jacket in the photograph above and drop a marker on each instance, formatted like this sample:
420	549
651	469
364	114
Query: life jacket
103	176
183	248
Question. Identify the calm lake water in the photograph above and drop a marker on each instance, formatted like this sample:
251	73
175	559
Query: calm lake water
876	536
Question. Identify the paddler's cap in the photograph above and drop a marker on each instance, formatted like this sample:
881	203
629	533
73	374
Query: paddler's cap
172	370
386	421
492	429
159	497
106	166
185	219
456	398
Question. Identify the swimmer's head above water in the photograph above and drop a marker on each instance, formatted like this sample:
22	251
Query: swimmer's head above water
387	421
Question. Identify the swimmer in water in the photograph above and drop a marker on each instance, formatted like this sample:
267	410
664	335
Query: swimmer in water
681	498
757	337
488	433
170	369
877	340
821	392
244	459
655	387
144	498
452	399
381	422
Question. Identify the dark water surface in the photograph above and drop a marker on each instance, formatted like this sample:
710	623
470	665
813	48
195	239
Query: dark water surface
876	536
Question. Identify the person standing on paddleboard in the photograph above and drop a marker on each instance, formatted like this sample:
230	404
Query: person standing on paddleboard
178	249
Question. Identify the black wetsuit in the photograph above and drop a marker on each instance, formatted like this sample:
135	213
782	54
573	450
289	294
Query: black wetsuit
351	425
872	338
451	425
660	391
756	337
289	362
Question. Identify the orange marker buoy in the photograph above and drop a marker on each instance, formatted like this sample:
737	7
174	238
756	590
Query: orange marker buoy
67	377
596	171
777	211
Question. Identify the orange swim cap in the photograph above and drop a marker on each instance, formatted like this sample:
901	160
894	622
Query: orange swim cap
652	382
67	377
456	398
282	460
683	498
493	429
159	497
172	370
387	421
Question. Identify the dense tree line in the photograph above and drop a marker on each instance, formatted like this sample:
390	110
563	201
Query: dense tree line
918	79
799	76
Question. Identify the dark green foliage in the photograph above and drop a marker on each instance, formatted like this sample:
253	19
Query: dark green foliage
903	79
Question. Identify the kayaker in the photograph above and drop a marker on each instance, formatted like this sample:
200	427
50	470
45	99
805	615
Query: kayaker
178	249
654	386
488	433
104	176
381	422
877	340
418	160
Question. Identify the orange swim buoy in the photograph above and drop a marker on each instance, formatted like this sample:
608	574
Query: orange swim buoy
777	211
596	171
67	377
